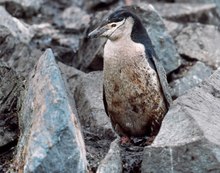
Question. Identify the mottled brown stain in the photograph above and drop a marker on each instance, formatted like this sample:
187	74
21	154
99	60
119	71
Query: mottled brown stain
116	87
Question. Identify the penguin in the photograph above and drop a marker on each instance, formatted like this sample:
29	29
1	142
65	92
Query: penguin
135	90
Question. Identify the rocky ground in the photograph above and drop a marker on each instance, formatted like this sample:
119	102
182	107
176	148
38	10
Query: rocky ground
52	118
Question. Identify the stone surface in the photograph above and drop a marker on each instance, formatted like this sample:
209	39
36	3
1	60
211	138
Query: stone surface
90	55
112	161
18	29
200	42
72	75
189	139
196	74
11	87
173	28
162	41
15	37
22	7
217	2
89	101
75	19
95	4
188	12
51	139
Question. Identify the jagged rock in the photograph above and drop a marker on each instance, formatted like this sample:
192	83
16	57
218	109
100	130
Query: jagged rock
196	74
200	42
51	139
72	75
173	28
64	45
19	8
75	19
15	37
112	161
18	29
189	139
162	41
217	2
11	87
90	55
91	5
89	101
188	12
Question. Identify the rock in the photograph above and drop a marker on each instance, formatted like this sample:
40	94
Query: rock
162	41
189	139
90	55
96	4
74	19
11	87
72	75
200	42
51	139
64	45
112	161
188	12
192	78
173	28
18	29
89	101
19	8
15	46
217	2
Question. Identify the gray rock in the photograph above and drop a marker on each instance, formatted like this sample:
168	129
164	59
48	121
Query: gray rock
173	28
196	74
162	41
51	139
89	101
75	19
91	5
188	12
71	74
90	55
11	87
217	2
112	163
18	29
189	139
200	42
64	45
19	7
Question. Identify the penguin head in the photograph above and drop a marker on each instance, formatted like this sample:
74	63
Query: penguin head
117	25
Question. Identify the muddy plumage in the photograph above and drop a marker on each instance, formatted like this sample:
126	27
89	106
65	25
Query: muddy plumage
135	94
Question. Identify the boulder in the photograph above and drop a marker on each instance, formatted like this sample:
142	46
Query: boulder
51	139
190	79
189	139
112	161
89	101
163	43
217	2
200	42
90	55
74	19
173	28
189	12
15	37
11	87
19	8
18	29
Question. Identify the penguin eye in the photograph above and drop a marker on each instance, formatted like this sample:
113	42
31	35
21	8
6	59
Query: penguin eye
113	25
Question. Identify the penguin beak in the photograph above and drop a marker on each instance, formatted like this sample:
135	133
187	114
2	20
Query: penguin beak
97	32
